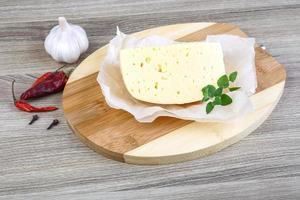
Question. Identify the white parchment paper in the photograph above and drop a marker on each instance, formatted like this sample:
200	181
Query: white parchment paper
238	56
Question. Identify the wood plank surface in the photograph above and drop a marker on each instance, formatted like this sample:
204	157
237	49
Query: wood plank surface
36	164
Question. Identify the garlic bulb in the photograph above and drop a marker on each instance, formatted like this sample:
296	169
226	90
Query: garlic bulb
66	42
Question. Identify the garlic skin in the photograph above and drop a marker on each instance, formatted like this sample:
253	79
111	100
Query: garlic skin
66	42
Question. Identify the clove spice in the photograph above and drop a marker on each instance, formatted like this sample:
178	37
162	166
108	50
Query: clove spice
54	123
34	118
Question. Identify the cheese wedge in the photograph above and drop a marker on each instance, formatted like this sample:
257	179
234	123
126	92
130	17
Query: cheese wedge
173	74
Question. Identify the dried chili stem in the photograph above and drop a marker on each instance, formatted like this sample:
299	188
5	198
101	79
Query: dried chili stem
13	90
61	67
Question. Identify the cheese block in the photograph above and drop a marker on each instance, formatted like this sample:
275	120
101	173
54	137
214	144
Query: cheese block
173	74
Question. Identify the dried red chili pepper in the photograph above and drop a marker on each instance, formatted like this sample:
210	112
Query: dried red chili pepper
24	106
41	79
48	83
44	77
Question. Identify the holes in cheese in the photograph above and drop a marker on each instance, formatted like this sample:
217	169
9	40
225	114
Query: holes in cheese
173	74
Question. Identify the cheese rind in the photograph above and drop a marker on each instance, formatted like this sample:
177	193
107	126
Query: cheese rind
173	74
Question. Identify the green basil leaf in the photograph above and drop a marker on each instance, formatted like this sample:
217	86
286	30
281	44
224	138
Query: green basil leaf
223	81
233	76
205	91
225	100
218	92
234	89
211	90
205	99
217	101
209	107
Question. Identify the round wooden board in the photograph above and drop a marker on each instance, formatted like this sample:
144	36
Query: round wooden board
117	135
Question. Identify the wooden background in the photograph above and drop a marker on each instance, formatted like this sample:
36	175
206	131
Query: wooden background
36	163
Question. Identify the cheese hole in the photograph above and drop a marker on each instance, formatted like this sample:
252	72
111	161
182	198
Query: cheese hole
177	62
156	85
187	54
159	68
133	63
148	60
142	64
178	92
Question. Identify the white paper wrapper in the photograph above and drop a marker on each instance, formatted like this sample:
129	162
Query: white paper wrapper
238	56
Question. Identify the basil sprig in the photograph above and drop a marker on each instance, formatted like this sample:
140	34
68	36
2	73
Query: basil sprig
215	96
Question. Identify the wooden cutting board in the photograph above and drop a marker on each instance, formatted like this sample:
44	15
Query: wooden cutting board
117	135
